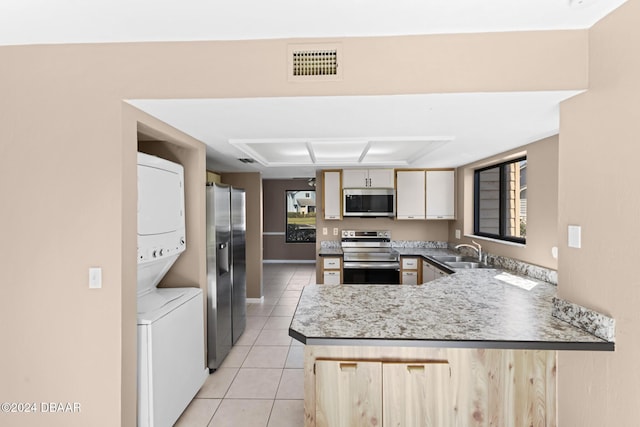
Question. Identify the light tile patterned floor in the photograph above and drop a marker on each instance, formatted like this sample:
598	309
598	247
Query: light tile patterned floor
260	383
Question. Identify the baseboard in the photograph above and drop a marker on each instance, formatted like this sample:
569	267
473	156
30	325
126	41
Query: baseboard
256	300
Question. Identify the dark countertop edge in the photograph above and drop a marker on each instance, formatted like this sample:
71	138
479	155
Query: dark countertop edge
488	344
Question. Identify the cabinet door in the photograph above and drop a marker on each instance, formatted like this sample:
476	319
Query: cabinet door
348	394
416	394
428	272
331	195
331	263
331	277
409	263
355	178
381	178
409	277
410	195
440	194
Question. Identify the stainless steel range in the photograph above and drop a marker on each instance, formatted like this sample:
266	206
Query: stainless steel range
369	258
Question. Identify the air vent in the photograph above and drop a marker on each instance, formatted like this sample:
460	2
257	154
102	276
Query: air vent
246	160
314	62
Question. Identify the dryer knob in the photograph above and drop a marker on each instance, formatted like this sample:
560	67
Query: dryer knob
154	254
161	252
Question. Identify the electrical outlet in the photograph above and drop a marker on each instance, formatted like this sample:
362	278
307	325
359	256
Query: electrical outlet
335	231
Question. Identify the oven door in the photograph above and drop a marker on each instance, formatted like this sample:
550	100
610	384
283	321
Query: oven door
371	273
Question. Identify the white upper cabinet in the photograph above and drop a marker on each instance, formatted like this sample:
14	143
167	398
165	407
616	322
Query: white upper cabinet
410	194
441	194
331	195
381	178
367	178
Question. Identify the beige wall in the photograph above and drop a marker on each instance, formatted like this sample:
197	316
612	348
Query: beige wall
275	246
67	154
542	204
599	152
252	184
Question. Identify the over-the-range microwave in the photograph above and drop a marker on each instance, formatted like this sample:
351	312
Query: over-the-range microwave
369	202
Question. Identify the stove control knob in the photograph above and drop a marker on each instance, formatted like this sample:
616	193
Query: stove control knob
352	234
161	252
154	254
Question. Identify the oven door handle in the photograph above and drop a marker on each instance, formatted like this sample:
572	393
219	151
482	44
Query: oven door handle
372	265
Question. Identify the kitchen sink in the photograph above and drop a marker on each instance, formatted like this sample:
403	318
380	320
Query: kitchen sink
448	258
466	264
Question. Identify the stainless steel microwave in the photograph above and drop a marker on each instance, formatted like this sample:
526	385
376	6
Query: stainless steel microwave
369	202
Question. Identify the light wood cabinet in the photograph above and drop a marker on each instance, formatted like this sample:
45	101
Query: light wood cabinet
416	394
332	194
440	194
367	178
371	393
410	270
332	270
410	194
458	386
348	393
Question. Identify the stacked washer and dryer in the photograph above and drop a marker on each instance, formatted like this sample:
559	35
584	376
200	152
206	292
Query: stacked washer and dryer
171	355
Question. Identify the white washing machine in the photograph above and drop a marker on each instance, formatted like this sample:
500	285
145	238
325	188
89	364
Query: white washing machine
171	354
171	365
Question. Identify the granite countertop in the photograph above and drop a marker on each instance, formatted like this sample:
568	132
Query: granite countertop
470	308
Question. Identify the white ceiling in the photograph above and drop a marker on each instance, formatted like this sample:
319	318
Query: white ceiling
290	137
81	21
433	130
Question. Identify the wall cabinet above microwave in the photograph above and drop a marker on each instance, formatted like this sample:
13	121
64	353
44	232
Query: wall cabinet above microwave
367	178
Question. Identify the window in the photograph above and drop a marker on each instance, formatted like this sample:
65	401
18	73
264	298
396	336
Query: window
301	216
500	201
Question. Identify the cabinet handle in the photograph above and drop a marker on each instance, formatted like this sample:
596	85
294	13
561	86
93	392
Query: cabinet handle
416	368
348	366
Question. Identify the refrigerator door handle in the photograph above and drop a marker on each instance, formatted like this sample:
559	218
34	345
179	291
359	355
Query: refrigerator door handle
223	258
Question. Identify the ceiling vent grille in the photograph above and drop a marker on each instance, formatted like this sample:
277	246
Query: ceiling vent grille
315	62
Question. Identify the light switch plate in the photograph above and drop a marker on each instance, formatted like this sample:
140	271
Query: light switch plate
325	231
95	277
575	236
457	234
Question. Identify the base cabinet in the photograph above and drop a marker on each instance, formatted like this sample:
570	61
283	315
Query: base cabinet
416	394
348	393
331	271
431	272
361	393
408	386
409	269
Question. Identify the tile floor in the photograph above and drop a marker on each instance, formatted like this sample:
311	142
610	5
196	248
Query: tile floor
260	383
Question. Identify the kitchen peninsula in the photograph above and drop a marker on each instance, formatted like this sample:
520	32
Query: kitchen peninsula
469	349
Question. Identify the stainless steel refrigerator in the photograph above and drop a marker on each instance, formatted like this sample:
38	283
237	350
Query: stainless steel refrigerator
226	270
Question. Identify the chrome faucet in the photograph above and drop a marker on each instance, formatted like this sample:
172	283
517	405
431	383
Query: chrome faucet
478	249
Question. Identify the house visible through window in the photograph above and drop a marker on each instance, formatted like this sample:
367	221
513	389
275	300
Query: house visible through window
500	201
301	216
